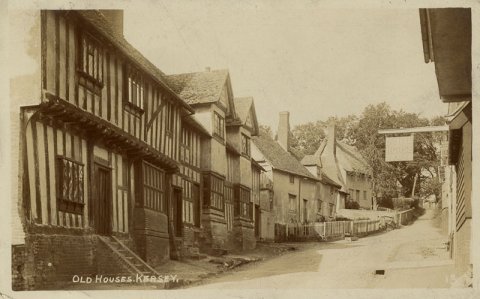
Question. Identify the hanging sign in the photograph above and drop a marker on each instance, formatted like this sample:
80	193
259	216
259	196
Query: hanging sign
399	148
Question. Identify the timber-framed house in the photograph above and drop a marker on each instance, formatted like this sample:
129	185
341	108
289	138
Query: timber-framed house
109	175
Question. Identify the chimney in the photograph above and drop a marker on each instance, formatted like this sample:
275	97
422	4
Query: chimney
115	18
283	134
332	138
207	69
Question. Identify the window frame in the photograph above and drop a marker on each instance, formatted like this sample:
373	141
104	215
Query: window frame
65	203
157	188
91	79
246	148
218	125
291	178
290	198
134	77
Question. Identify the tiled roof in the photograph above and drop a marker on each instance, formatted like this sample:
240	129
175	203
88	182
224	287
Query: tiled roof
97	19
199	88
327	180
242	107
351	158
279	158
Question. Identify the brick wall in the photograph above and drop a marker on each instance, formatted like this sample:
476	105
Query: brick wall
213	239
52	259
244	232
18	267
151	236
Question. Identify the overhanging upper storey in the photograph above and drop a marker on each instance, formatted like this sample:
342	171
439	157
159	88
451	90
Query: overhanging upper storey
447	41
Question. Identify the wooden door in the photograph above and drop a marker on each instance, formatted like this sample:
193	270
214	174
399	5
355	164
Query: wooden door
177	212
102	201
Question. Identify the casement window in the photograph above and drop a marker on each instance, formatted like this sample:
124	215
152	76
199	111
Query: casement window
218	125
135	89
292	202
153	187
213	192
70	178
185	146
191	205
292	179
245	145
319	206
170	117
91	59
332	210
244	205
229	205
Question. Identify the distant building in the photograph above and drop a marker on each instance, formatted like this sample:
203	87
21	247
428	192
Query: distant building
295	191
344	166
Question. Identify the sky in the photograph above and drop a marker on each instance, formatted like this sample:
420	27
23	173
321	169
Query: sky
313	61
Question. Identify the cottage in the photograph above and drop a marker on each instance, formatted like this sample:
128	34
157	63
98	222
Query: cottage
344	165
292	186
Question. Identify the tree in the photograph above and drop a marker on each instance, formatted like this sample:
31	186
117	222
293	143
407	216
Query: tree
386	176
264	129
306	138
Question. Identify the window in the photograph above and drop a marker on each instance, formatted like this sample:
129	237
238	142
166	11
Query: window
190	213
365	195
292	202
135	90
244	206
218	125
319	206
229	202
70	185
245	145
170	117
91	59
292	179
357	195
350	193
153	187
214	188
332	210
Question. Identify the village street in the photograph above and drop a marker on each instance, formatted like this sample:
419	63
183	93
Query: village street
406	254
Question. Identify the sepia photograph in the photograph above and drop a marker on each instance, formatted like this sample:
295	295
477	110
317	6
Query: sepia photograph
199	146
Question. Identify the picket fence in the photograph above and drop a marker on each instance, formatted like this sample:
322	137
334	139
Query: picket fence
330	230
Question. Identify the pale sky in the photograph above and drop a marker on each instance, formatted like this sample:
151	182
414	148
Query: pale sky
311	61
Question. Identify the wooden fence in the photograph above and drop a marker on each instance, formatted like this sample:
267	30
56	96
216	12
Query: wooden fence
327	230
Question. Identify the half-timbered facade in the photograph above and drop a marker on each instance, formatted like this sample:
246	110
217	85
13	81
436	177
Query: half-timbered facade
107	149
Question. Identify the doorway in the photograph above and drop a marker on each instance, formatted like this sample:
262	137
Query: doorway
102	201
178	212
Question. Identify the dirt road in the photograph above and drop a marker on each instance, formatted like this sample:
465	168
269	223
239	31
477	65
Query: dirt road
410	257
